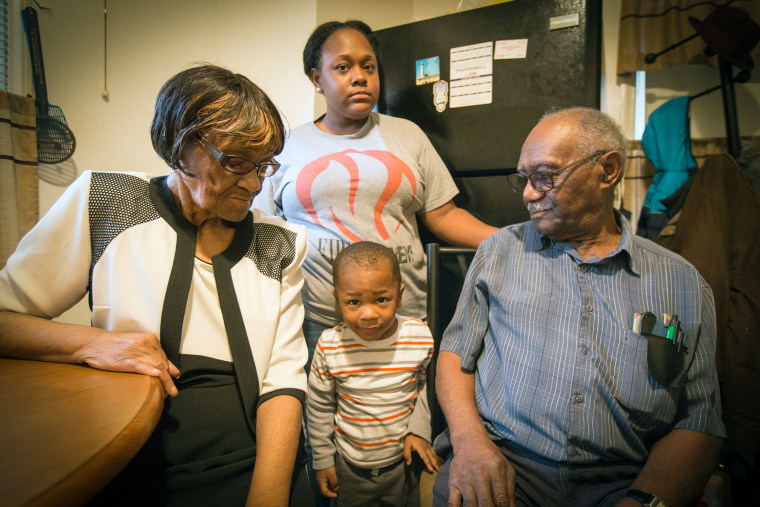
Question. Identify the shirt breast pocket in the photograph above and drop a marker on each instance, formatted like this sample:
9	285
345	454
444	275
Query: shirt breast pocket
645	401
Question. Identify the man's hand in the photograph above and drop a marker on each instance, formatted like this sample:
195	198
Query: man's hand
327	480
480	475
423	448
133	353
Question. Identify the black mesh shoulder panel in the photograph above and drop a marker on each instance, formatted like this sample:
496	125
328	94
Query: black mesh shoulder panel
272	249
118	201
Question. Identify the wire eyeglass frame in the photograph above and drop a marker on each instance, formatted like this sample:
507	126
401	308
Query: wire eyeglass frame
241	166
543	181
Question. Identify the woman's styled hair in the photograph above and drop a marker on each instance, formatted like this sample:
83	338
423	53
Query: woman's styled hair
313	49
212	100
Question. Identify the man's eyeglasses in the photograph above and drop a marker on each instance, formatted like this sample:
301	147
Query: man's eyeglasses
240	165
543	181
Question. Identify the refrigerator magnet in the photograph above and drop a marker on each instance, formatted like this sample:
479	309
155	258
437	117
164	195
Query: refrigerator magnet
440	95
428	70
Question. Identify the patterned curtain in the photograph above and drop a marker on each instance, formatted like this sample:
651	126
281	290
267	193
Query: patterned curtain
19	194
651	26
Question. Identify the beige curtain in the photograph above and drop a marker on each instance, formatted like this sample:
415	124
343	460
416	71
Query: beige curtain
639	170
650	26
19	194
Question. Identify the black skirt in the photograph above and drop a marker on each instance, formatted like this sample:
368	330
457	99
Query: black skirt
201	453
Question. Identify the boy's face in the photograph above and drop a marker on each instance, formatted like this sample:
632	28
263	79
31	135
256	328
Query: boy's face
368	300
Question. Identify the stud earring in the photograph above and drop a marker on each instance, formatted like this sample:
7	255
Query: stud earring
319	90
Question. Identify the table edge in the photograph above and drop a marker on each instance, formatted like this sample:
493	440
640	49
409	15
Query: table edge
87	480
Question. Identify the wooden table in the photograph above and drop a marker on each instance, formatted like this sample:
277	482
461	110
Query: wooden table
66	430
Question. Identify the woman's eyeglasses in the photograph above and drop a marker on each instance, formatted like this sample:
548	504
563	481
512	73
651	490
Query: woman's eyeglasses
240	165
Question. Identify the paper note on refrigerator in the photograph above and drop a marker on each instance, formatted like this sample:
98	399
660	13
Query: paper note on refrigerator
511	49
471	75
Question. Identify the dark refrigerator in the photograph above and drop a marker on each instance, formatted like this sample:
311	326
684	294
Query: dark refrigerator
477	82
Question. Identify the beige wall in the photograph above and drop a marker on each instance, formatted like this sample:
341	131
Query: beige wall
150	40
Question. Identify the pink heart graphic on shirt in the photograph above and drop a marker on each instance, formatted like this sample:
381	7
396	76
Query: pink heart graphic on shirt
396	168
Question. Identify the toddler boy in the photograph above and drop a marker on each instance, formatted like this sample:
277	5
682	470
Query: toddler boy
367	407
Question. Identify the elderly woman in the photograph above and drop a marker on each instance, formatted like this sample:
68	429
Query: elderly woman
182	277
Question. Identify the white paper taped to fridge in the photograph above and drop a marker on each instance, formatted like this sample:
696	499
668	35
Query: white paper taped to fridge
471	61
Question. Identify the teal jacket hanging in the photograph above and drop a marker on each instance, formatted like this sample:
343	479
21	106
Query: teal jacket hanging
667	144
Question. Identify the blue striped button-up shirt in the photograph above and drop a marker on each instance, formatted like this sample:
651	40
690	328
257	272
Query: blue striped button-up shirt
559	370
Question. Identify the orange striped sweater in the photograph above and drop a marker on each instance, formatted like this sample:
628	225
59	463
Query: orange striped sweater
365	397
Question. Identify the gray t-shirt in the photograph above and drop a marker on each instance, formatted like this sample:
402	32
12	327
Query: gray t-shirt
365	186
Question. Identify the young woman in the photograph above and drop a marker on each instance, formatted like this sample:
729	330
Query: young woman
354	174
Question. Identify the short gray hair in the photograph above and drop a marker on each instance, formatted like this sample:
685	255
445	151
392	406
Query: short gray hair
598	130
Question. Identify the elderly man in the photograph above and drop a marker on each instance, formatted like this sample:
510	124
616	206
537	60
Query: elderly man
555	390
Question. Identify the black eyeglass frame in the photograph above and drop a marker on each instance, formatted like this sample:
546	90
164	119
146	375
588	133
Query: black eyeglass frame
518	181
263	170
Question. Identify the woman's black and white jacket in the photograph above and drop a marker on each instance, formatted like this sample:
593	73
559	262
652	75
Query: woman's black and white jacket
121	238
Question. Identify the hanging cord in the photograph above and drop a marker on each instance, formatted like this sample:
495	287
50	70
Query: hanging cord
651	57
105	93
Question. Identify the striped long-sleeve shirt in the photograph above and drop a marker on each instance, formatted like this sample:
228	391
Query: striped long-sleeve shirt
365	397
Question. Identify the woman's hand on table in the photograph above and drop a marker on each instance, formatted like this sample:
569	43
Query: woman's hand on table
132	353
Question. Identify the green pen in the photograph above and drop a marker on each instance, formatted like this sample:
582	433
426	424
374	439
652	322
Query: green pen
672	327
